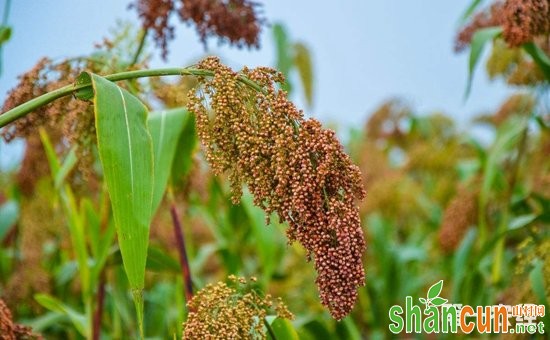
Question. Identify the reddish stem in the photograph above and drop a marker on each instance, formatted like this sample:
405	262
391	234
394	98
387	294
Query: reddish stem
180	243
96	328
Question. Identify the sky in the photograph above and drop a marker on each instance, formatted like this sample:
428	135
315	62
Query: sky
364	51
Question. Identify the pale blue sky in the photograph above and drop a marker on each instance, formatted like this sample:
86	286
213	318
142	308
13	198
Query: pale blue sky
365	51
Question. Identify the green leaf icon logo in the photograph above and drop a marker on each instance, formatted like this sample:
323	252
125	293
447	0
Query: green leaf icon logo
433	298
435	290
439	301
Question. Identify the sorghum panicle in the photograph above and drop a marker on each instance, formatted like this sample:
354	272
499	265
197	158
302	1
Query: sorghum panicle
521	20
234	21
525	19
155	15
459	215
292	166
231	311
13	331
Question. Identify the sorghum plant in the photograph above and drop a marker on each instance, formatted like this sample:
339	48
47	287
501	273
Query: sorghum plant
251	131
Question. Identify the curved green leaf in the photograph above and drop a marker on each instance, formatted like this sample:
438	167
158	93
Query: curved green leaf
183	159
126	153
53	304
283	329
470	10
435	290
284	59
479	39
165	128
302	61
540	58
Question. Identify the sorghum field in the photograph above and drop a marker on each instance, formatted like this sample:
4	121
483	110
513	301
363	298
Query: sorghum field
200	202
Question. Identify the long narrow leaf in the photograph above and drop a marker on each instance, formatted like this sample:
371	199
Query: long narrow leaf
540	58
53	304
480	38
165	128
126	153
302	61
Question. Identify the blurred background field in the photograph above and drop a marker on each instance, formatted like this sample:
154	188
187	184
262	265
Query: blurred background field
461	196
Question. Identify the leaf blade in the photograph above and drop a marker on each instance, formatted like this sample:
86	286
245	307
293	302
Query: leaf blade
479	39
126	153
165	128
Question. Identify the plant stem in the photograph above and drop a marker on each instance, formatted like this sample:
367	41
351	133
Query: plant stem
503	225
27	107
7	6
96	327
182	251
140	47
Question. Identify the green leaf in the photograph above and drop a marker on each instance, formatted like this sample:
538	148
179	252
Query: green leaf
479	39
540	58
284	59
438	301
268	244
159	261
283	329
302	61
68	164
347	329
70	207
460	262
507	137
79	320
126	153
521	221
9	213
470	10
165	128
435	290
187	144
536	277
422	300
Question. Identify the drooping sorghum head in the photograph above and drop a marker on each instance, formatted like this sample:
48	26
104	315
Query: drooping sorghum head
459	215
521	20
155	15
10	330
487	18
234	21
231	311
68	122
292	166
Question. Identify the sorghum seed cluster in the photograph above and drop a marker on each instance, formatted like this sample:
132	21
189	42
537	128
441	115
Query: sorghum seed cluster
68	122
234	21
459	215
292	166
522	21
231	311
13	331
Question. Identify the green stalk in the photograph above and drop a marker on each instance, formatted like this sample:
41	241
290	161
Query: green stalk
33	104
499	248
7	6
140	47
